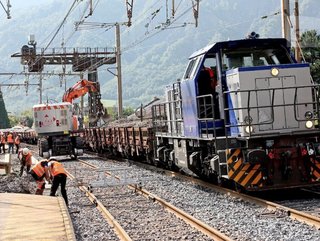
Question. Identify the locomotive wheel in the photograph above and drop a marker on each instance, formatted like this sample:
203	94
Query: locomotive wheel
74	156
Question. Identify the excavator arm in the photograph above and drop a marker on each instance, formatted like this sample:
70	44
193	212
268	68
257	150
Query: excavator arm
82	87
79	89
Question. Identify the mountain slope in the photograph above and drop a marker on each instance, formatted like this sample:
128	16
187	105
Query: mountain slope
151	57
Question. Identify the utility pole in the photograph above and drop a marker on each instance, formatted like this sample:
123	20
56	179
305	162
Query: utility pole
285	17
195	8
297	30
40	88
119	75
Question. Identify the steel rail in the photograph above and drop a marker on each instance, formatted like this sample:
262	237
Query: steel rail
292	213
199	225
122	234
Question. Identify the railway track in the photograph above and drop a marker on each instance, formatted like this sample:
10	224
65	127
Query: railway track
303	210
130	212
233	211
235	217
307	201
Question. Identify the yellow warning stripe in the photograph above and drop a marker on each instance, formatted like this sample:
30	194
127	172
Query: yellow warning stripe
236	153
250	174
235	167
257	179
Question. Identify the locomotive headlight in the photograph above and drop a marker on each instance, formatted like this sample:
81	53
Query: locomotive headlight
308	115
274	72
248	129
309	124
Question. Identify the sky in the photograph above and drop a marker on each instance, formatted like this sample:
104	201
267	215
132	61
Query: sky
26	3
20	5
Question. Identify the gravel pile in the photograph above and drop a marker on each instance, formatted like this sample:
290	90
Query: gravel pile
88	223
13	183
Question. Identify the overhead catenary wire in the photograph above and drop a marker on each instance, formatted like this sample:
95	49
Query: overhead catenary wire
61	24
157	31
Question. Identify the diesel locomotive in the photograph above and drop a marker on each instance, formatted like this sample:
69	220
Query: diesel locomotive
244	112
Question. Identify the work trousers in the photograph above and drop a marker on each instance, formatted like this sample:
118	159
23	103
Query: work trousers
17	148
23	164
2	145
41	185
60	179
10	147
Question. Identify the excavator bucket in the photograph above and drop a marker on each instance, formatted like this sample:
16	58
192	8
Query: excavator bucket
102	114
105	116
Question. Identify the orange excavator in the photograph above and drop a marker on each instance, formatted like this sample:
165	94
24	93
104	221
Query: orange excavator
79	89
82	87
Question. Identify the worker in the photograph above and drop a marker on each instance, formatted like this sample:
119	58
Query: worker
25	158
207	82
17	142
2	142
40	172
59	177
10	142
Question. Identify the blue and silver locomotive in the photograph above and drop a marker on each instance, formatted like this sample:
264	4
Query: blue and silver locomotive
244	112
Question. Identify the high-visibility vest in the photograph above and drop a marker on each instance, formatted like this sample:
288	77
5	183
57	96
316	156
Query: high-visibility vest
57	168
3	140
39	169
28	158
10	138
17	140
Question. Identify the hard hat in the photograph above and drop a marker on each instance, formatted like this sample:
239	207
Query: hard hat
25	151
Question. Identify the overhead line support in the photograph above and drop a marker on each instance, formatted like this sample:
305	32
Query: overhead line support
129	5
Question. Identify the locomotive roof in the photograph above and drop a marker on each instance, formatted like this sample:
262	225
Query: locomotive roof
52	104
234	44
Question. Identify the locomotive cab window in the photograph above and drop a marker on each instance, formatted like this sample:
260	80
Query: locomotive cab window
248	57
191	68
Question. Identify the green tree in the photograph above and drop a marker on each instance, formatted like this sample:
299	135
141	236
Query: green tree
128	111
113	112
4	120
310	45
13	120
27	118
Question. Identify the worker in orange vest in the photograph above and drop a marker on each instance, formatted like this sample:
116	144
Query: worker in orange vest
2	142
59	175
10	142
25	158
17	142
40	172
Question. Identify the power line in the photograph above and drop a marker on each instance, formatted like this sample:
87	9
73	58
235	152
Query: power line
164	27
61	24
